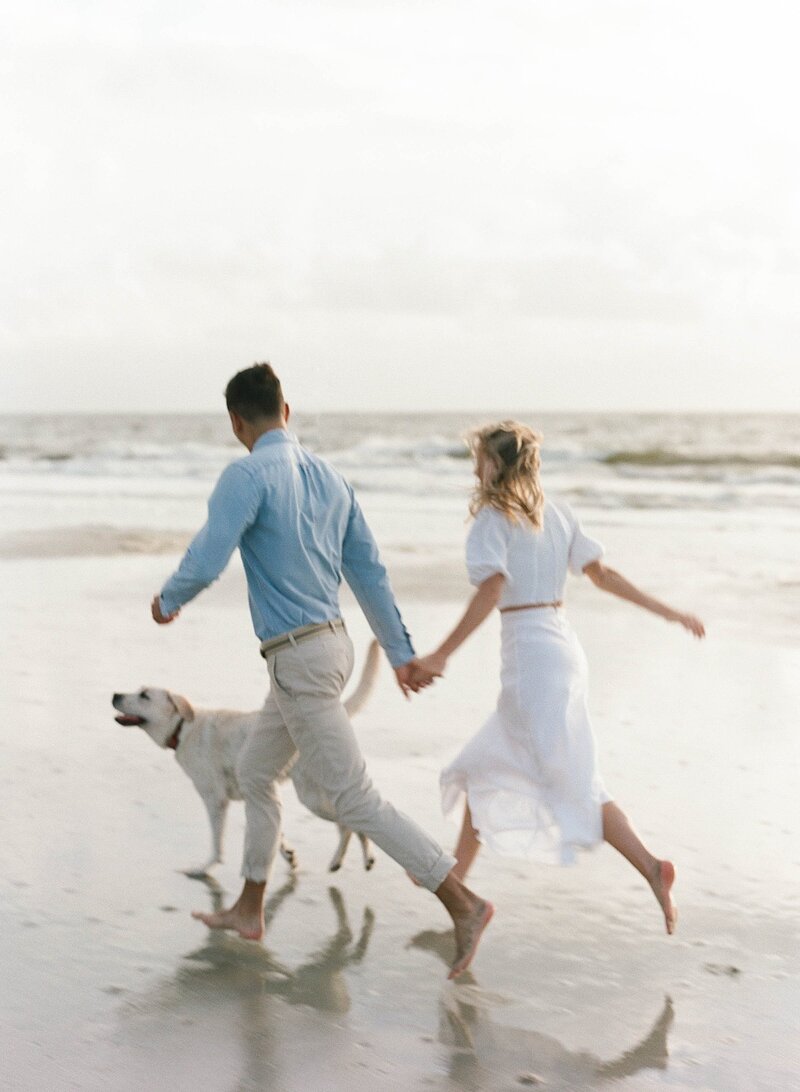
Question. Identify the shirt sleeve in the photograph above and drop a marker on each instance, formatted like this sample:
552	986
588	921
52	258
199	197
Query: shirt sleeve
487	546
232	508
583	549
366	574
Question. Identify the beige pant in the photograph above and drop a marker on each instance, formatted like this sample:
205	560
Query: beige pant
304	719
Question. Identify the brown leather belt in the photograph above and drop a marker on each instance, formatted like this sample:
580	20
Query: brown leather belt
532	606
301	634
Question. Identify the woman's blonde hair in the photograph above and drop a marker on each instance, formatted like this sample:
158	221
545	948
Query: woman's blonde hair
510	479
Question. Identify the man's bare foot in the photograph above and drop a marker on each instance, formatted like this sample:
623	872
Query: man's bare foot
469	927
661	881
249	928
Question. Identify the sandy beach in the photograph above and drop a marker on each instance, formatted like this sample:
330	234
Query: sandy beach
396	229
109	984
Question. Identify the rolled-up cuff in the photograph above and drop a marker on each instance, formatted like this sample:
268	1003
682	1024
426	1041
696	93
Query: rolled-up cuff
257	871
435	876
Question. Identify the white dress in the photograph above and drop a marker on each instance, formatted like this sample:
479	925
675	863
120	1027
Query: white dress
530	773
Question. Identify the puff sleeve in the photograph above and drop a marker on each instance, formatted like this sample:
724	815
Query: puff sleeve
487	546
583	549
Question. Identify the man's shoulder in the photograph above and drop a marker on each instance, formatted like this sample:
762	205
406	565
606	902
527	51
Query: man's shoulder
236	470
320	463
279	461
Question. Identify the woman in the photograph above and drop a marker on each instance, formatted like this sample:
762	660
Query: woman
529	775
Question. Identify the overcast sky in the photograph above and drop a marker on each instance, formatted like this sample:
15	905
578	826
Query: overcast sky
443	205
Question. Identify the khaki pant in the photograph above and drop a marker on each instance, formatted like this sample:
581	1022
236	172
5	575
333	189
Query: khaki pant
305	720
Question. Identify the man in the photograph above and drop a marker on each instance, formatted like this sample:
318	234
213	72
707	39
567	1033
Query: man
299	529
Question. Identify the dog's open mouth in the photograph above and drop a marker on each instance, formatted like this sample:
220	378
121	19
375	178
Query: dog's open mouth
129	721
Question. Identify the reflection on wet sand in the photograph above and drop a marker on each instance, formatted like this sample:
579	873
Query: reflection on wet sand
239	990
236	1014
317	982
484	1051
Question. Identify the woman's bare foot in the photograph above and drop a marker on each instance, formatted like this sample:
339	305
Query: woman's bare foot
469	927
661	880
247	926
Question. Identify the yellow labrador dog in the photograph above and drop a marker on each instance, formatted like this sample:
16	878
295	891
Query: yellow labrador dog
207	743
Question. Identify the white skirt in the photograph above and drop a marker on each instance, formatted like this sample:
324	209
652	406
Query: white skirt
530	774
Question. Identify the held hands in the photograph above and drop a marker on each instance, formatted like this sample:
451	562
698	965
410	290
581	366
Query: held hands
410	679
419	673
161	619
416	675
433	664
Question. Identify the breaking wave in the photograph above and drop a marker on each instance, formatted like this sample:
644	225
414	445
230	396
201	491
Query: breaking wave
662	457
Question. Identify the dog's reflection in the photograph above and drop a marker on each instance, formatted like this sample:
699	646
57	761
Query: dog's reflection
483	1050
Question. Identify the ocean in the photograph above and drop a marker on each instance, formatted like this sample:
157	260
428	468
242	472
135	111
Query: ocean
715	498
609	461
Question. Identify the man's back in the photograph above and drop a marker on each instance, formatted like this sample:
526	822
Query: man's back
299	529
292	551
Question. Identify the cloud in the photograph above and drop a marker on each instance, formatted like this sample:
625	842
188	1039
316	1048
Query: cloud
617	181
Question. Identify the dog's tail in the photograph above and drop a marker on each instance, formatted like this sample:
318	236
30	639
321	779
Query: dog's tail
366	683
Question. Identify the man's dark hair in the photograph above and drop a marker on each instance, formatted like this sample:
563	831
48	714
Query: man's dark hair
255	393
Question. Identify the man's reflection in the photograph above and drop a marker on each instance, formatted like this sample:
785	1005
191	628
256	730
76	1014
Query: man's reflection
483	1051
227	1003
318	981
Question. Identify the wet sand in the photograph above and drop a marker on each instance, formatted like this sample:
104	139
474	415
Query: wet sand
108	982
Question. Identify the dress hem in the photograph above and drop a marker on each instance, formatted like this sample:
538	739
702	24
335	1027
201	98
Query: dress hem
541	848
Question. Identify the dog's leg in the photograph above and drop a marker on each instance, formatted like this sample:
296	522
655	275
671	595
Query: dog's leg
367	924
288	854
273	903
217	810
344	933
366	850
344	841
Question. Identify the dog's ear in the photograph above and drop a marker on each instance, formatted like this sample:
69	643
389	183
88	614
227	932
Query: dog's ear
182	706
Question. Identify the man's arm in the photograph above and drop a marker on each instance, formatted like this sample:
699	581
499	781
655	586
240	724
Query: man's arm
232	508
366	574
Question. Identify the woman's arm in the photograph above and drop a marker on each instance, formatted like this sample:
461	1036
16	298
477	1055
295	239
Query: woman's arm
611	581
478	610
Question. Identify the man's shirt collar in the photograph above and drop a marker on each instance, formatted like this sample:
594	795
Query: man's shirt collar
275	436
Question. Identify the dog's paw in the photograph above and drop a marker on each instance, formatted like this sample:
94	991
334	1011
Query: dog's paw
335	866
289	856
368	864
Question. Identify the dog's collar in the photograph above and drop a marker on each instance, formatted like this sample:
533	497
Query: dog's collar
175	738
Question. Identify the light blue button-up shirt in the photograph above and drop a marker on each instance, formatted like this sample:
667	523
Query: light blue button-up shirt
299	529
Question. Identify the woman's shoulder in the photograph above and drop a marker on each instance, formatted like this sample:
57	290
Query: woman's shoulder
488	525
487	514
558	513
558	506
555	511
